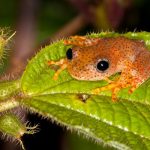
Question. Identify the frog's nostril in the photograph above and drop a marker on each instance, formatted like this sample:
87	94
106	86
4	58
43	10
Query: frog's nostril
102	65
69	54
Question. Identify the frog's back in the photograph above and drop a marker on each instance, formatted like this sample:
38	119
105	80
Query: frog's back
142	64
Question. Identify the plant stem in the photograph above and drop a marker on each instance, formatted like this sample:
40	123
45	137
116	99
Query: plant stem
9	104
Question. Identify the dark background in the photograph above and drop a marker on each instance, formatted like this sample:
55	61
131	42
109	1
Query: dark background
38	23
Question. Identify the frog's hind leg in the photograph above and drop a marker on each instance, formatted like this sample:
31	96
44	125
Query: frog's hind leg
125	81
113	86
62	63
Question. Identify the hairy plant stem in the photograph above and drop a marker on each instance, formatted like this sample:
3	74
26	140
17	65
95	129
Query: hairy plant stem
9	91
9	104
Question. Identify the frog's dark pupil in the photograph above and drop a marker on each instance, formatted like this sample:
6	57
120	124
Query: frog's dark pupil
102	65
69	53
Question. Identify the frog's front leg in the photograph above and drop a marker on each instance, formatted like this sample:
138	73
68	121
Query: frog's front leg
62	63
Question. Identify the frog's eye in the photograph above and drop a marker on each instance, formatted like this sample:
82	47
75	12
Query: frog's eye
102	65
69	54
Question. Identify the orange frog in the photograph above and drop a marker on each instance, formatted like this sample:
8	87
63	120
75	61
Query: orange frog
95	59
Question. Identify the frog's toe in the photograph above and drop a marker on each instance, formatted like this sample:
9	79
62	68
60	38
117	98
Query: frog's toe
114	93
62	65
96	91
132	89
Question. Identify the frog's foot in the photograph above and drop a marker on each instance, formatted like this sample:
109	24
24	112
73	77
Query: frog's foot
115	87
81	41
134	84
62	63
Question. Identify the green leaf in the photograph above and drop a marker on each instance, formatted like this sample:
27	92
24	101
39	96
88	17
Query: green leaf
124	122
69	102
76	142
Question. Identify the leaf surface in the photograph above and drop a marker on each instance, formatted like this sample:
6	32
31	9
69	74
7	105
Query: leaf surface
69	102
